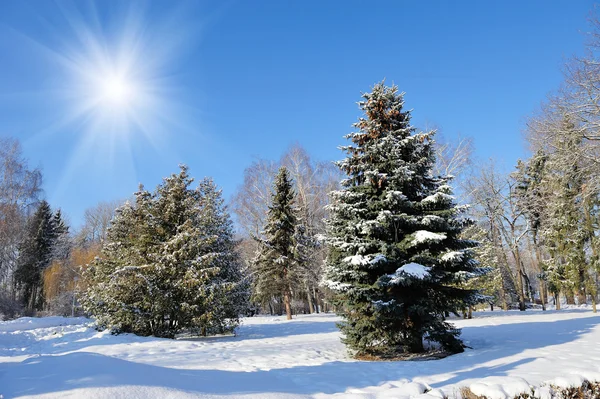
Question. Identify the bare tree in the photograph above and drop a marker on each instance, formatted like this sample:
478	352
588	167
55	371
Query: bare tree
250	202
493	195
96	222
453	157
20	188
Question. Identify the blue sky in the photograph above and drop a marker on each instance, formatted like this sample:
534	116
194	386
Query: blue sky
217	85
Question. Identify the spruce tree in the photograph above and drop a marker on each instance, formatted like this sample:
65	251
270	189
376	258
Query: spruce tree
168	264
563	232
233	287
532	197
35	255
396	260
275	265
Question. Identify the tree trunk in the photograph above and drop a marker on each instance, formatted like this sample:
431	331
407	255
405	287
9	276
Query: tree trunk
310	299
538	263
594	303
288	307
557	300
470	314
570	297
581	297
316	300
520	290
416	344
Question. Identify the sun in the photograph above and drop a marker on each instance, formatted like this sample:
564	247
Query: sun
116	86
115	90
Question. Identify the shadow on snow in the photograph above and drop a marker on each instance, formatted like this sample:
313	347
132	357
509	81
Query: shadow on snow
55	373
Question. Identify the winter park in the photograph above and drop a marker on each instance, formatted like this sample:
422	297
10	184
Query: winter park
291	200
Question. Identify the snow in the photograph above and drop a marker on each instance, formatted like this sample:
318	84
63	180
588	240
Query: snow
412	269
438	197
378	258
303	358
422	236
452	256
336	285
357	260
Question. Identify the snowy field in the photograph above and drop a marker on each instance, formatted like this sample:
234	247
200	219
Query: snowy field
303	358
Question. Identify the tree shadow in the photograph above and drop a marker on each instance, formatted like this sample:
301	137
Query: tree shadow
278	327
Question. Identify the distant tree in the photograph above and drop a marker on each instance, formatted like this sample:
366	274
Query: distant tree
167	264
489	284
35	255
532	196
20	187
396	257
497	205
312	182
96	222
276	265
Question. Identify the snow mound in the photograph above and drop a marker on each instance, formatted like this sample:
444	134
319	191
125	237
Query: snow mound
500	387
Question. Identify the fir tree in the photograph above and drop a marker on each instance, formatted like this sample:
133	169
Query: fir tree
62	243
35	254
563	233
396	258
168	264
532	195
232	286
276	266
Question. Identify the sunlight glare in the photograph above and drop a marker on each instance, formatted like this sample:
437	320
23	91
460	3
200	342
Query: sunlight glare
116	91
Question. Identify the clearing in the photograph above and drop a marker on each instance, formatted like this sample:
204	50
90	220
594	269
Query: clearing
270	357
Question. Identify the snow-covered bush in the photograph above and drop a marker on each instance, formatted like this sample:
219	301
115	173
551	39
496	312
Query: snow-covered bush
9	307
168	264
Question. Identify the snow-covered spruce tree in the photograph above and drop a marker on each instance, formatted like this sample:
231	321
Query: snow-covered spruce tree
167	264
35	254
396	259
275	265
232	286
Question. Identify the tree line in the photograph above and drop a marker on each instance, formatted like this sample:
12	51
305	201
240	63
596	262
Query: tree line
542	218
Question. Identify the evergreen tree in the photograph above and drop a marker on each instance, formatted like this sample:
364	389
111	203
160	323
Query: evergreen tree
489	284
35	254
532	197
563	233
167	264
232	286
62	243
305	251
396	256
276	266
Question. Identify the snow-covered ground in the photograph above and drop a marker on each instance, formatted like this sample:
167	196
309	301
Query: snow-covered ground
272	358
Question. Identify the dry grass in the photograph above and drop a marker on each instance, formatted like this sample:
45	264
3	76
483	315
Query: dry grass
465	393
432	355
587	390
